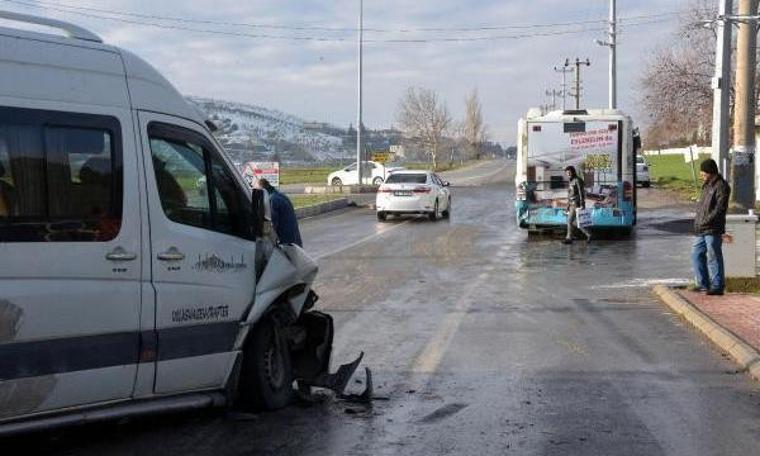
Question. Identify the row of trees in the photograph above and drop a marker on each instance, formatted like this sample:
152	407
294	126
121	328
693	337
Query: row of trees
428	126
676	89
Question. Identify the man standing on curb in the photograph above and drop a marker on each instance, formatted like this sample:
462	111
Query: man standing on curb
709	226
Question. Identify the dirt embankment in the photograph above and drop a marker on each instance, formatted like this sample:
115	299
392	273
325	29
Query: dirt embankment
657	198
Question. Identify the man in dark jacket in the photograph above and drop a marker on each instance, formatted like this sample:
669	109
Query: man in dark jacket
709	226
283	215
576	199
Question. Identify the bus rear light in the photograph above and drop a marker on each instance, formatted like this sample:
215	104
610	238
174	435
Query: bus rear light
521	194
627	191
421	189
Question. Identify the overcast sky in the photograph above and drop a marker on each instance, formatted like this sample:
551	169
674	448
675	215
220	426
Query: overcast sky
316	80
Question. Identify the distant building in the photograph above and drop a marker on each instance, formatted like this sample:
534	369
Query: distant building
315	125
397	150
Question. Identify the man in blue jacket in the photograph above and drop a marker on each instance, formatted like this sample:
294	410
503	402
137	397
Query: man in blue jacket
283	215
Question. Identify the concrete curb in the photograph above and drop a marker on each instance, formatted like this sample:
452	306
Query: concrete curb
744	354
321	208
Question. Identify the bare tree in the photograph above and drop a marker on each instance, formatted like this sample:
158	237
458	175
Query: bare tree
474	130
676	84
425	119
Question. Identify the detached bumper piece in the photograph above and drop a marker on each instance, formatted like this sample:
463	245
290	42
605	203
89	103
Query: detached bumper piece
311	354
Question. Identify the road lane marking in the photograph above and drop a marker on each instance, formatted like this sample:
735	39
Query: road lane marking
360	241
431	356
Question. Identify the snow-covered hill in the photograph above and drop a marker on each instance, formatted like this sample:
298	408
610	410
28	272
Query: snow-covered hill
251	132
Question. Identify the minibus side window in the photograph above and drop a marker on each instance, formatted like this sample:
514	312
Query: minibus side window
229	206
60	177
180	171
194	185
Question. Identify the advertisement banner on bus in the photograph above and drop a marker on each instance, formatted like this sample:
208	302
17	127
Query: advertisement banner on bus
590	147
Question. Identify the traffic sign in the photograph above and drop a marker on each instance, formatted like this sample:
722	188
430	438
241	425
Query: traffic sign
381	157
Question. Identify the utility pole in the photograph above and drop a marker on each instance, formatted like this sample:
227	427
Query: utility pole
721	85
564	70
612	44
578	62
743	153
359	107
553	93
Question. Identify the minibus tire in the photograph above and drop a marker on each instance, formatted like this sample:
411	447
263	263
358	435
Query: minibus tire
266	380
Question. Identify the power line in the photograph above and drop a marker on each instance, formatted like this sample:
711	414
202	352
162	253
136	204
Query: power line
332	39
87	12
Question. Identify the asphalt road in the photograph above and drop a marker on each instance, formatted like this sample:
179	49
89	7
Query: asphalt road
483	341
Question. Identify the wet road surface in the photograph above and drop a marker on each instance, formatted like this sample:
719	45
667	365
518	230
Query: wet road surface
483	341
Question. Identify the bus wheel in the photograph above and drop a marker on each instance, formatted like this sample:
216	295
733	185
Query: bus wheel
266	380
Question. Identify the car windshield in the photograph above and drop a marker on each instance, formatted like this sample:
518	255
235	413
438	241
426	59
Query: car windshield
407	179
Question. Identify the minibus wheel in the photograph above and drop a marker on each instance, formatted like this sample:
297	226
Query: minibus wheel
266	381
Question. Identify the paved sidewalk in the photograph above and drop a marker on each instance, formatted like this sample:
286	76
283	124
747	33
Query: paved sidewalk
738	313
732	322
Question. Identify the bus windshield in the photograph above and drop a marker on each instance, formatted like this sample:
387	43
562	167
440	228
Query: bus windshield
593	148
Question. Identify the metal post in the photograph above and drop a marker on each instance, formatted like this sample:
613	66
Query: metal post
613	56
564	70
693	171
359	107
721	85
743	153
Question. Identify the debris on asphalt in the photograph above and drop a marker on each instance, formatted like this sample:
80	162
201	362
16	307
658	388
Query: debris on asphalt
366	396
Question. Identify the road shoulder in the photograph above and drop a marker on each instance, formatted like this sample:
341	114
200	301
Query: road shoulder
734	334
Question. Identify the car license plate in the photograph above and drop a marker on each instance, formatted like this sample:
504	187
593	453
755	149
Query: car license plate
402	193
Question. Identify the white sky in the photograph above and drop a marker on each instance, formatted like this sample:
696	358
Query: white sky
316	80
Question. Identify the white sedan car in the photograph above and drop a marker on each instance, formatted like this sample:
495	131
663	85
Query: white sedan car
413	192
642	172
373	173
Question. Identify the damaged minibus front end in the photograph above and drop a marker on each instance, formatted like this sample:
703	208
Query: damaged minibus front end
283	339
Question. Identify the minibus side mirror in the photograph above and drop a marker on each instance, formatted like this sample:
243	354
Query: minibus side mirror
257	213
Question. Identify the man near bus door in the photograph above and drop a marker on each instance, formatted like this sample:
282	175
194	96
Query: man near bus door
576	199
709	226
283	215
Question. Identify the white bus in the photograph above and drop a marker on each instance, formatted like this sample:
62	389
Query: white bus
600	144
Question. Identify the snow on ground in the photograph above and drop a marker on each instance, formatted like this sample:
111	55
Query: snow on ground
263	132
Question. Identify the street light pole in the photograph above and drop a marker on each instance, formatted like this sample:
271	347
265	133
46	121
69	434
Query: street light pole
721	85
612	44
359	104
613	55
